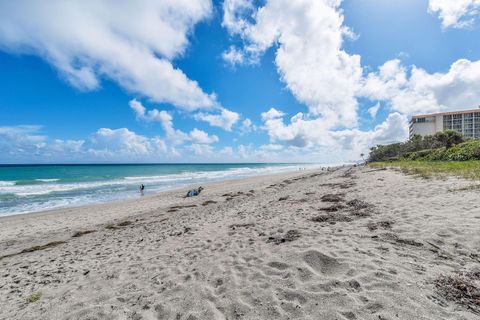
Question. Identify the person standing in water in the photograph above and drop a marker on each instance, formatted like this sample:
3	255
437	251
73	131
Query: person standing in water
142	188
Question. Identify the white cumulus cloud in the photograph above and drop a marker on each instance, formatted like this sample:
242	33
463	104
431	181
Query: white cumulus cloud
130	42
373	110
418	91
124	142
202	137
235	15
233	56
272	113
166	121
225	119
455	13
309	35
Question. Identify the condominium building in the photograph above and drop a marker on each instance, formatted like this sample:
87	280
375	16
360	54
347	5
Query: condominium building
466	122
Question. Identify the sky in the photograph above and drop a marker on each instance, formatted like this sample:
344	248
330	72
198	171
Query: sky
228	81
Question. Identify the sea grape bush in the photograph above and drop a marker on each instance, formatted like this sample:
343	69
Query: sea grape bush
447	146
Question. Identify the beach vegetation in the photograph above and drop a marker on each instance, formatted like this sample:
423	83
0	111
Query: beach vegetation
438	146
428	169
436	155
34	297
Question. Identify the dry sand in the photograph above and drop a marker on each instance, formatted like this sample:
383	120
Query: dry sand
350	244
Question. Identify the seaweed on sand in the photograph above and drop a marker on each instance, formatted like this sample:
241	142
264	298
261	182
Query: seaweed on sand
461	288
290	235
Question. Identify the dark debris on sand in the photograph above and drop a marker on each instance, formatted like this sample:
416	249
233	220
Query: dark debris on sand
241	225
395	238
461	288
355	208
331	218
360	208
176	208
35	248
206	203
119	225
333	208
330	197
372	226
82	233
358	204
290	235
341	185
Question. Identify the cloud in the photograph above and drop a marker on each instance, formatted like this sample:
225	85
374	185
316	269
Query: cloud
26	144
124	145
235	14
406	91
300	132
373	110
455	13
166	121
393	129
308	37
271	147
225	120
247	126
272	114
150	116
121	142
131	43
414	90
309	54
202	137
233	56
200	149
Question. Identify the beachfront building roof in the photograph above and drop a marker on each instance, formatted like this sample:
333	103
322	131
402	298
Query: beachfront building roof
466	122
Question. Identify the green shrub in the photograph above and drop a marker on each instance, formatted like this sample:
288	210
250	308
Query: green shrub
34	297
469	150
418	155
436	155
447	145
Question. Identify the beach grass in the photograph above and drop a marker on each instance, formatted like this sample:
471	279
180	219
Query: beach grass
34	297
429	169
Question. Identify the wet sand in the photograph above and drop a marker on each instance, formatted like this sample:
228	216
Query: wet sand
355	243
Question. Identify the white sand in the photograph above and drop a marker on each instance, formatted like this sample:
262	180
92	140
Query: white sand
251	254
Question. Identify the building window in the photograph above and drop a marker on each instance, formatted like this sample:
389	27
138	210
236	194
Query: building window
447	122
468	125
457	122
420	120
476	125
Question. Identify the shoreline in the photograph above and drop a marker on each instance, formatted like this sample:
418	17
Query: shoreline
353	243
88	216
154	195
132	194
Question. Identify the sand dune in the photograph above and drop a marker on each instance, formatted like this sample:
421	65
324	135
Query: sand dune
355	243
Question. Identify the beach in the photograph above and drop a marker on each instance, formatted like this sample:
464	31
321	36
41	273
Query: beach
344	243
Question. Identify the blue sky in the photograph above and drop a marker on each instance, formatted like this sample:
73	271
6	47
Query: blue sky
227	81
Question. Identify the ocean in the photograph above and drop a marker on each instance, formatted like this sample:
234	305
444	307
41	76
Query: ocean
34	188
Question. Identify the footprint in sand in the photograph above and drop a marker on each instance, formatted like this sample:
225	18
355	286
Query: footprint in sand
323	264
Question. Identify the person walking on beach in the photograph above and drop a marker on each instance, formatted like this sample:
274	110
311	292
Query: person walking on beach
142	188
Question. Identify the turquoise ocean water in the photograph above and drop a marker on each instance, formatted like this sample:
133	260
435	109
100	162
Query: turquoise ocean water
33	188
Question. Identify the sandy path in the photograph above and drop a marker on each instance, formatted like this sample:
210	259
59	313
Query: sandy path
352	244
